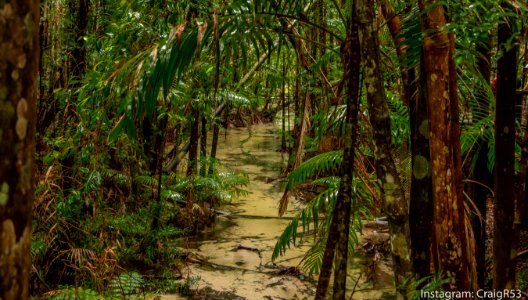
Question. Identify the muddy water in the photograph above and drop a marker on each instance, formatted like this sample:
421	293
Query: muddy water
234	256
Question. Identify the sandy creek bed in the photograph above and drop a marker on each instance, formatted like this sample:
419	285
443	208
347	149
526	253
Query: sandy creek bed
235	253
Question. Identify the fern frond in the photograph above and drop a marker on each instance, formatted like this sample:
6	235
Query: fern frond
235	99
146	180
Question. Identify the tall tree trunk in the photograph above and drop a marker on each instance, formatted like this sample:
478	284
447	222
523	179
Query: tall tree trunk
203	147
193	142
19	45
421	208
192	167
214	146
80	9
337	241
352	57
393	196
451	244
421	202
296	121
481	173
283	103
504	250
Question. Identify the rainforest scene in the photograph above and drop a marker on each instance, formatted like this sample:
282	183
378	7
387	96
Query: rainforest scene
263	149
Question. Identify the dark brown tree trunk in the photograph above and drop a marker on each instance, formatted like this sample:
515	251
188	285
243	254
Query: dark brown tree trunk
451	248
337	242
395	204
504	250
214	146
193	142
19	48
283	103
203	147
421	208
481	173
421	202
79	9
352	57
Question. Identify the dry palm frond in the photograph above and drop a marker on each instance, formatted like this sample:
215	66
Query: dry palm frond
78	257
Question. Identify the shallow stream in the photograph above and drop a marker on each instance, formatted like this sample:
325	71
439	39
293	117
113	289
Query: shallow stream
234	255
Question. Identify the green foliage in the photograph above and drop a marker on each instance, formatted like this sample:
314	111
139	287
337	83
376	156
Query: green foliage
126	284
399	119
411	37
321	205
522	279
433	283
76	294
324	162
149	63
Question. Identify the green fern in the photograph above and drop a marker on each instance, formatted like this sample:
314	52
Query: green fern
76	294
126	284
146	180
235	99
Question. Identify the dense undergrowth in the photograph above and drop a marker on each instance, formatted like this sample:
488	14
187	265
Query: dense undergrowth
94	219
126	104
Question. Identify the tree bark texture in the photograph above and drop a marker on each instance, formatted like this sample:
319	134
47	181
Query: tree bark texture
19	54
337	242
504	251
421	202
395	204
352	57
421	207
451	248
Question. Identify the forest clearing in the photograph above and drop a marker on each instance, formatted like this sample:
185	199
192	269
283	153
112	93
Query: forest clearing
263	149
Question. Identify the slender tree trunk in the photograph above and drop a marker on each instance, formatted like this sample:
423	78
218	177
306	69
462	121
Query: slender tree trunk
19	48
283	103
214	146
393	196
192	167
394	25
303	129
504	250
297	123
337	241
193	142
352	57
203	147
451	244
481	173
80	9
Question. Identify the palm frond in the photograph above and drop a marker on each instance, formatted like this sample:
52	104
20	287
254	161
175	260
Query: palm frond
306	216
410	36
328	161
